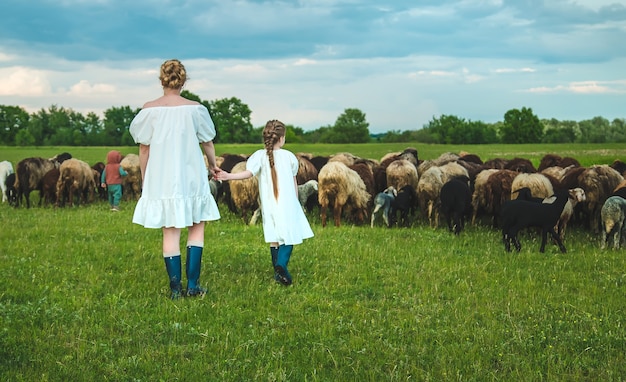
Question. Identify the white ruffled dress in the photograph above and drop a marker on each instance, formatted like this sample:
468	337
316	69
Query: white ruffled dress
176	190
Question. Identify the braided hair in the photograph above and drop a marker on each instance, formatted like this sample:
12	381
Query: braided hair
272	132
173	74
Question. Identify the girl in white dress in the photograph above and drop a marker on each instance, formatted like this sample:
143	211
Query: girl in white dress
284	221
176	193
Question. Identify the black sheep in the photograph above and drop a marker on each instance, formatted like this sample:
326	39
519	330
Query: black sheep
519	214
456	203
404	203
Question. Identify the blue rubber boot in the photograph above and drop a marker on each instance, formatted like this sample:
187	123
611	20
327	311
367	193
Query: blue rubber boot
192	268
284	254
174	271
274	253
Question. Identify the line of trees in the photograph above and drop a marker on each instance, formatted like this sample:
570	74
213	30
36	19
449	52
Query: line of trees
58	126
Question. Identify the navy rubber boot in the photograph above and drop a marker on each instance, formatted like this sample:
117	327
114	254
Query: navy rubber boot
174	272
282	274
192	268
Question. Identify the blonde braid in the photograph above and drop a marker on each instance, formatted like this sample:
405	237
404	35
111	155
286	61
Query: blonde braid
272	132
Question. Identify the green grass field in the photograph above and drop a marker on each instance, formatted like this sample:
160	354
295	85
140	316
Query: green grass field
84	297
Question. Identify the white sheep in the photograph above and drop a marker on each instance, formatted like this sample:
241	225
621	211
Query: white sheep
539	185
6	169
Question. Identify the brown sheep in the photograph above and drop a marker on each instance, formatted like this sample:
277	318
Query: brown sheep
29	173
598	182
49	186
520	165
306	170
551	160
131	183
498	190
341	188
245	195
76	178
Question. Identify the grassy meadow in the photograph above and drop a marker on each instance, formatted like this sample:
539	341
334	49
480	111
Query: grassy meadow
84	296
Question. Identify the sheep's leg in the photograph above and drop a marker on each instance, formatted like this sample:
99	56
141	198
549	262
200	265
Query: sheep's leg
385	217
337	215
604	237
506	241
323	215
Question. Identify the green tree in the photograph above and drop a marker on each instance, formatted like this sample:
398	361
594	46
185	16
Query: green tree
350	127
594	130
232	121
24	138
521	126
12	120
116	123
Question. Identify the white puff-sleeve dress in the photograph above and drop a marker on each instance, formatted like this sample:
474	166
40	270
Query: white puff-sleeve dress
176	190
284	220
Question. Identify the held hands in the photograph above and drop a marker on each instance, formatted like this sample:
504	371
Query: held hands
221	174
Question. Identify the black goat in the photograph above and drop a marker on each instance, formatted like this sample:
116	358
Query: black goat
519	214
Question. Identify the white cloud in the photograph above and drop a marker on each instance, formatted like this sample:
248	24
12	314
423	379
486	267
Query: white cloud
584	87
22	81
84	87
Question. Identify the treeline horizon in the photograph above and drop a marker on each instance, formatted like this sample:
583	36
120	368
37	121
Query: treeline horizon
60	126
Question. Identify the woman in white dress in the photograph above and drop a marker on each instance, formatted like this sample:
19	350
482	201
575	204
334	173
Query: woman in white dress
284	221
176	193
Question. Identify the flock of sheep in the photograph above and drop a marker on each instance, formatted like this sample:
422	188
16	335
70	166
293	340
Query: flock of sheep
509	193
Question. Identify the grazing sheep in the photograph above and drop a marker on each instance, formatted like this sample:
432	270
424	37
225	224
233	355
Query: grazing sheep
382	202
102	192
520	165
429	188
306	170
538	184
341	188
60	158
525	193
6	169
576	195
598	182
10	193
498	190
131	183
613	214
245	194
366	174
443	159
480	200
49	186
346	158
28	175
75	178
228	161
306	191
552	160
404	203
456	203
519	214
400	173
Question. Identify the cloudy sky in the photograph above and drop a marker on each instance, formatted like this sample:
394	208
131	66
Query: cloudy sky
401	62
